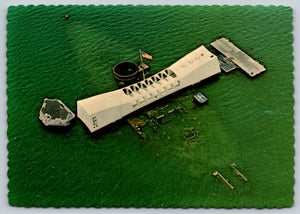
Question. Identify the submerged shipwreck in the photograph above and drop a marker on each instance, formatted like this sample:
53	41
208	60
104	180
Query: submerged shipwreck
101	110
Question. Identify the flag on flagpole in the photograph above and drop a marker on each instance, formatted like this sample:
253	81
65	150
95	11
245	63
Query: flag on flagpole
146	56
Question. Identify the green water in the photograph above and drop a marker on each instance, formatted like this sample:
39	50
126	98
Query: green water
249	122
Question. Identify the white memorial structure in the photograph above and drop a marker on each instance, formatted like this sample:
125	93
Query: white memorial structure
101	110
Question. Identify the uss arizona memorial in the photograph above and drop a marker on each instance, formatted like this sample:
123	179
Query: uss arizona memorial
101	110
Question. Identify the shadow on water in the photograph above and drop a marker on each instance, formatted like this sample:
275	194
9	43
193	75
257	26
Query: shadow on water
109	129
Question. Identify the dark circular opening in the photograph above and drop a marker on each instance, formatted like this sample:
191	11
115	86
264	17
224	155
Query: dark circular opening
125	69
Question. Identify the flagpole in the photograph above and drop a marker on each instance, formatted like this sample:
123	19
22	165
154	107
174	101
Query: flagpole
141	58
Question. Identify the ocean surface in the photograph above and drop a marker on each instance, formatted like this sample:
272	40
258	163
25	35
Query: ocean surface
246	121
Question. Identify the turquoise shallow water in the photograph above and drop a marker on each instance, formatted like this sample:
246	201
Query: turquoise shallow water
249	122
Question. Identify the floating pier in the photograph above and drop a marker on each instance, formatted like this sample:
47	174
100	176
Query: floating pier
238	57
